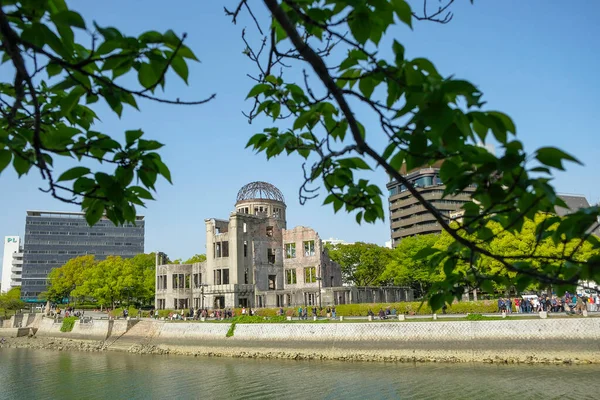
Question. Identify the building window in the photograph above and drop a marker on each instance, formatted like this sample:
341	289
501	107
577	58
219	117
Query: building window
225	277
270	231
272	280
187	281
225	249
290	250
290	276
271	256
246	276
217	276
309	248
276	212
310	275
245	248
245	227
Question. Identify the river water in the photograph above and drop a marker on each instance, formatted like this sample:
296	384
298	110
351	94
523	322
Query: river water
45	374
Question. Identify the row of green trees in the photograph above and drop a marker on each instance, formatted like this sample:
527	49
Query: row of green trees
107	282
368	264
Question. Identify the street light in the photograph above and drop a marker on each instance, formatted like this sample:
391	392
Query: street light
319	279
202	286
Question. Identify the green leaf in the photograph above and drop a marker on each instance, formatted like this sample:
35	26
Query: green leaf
180	67
148	145
258	89
354	162
53	69
151	37
398	52
360	24
147	76
163	170
107	47
83	185
403	11
94	212
141	192
71	100
508	123
367	85
21	164
54	42
553	157
5	158
70	18
185	52
132	136
73	173
108	33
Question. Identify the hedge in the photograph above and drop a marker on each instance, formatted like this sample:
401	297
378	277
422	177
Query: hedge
133	312
361	310
412	308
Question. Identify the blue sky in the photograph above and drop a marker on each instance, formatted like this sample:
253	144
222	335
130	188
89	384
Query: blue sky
536	60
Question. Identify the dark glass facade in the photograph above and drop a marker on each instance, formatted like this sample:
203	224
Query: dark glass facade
408	217
53	238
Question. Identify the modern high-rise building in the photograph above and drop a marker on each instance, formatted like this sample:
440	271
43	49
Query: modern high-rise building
52	238
407	216
12	263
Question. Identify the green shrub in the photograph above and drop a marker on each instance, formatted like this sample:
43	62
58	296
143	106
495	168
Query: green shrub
133	312
68	323
231	330
164	313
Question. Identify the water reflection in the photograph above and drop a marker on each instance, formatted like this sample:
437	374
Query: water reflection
28	374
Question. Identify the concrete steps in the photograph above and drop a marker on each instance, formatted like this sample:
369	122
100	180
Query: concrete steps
140	334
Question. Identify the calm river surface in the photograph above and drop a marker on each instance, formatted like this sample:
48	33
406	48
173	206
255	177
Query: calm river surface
40	374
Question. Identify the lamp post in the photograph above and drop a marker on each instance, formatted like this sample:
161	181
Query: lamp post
202	286
319	280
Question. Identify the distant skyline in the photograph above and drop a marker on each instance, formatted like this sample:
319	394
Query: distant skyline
536	60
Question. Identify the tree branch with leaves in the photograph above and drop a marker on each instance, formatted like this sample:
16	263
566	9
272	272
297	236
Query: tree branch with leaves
42	115
425	117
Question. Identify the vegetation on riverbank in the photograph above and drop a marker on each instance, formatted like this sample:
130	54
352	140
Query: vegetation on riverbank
68	323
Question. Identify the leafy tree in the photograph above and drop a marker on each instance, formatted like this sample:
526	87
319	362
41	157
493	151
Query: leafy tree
145	270
59	62
362	264
196	258
107	282
65	279
425	116
11	300
406	268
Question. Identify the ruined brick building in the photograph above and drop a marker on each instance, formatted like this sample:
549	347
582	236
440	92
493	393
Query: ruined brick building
254	260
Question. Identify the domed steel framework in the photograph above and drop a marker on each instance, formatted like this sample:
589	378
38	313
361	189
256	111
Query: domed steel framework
260	190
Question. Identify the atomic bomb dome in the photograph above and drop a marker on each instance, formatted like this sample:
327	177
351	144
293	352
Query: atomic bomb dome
259	191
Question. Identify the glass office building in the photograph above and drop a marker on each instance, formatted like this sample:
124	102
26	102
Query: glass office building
407	216
52	238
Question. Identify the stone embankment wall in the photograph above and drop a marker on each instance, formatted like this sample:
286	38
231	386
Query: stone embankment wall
531	340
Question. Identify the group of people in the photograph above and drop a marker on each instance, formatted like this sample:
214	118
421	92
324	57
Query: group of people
303	312
196	314
572	303
383	314
56	311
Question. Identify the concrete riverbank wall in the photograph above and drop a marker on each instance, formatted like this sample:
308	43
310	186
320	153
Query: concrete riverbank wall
528	340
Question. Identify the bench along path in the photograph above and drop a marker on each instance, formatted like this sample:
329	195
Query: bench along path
140	334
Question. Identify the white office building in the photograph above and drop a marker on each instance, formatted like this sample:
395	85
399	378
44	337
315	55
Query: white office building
12	263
